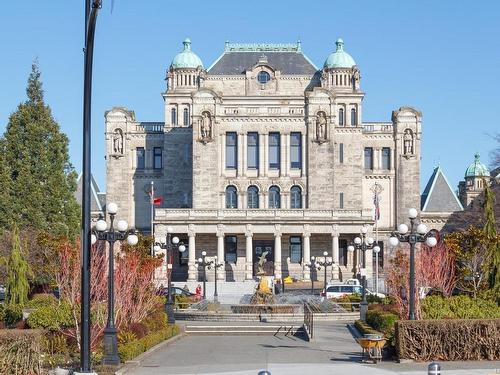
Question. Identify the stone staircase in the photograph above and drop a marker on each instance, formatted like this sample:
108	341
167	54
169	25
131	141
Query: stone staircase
228	291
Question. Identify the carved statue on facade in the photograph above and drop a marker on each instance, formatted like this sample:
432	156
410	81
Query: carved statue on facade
321	126
206	125
118	142
408	142
356	77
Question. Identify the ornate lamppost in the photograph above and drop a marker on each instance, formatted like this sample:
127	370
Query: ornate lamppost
204	263
325	264
312	266
168	244
216	265
111	235
413	235
363	244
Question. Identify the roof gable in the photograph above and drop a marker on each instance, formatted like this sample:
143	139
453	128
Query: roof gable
438	196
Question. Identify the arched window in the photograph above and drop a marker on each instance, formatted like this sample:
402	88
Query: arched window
253	197
174	116
354	117
295	197
341	117
186	117
274	197
263	77
231	197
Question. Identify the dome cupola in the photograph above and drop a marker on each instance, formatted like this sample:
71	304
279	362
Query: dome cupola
477	169
339	58
186	58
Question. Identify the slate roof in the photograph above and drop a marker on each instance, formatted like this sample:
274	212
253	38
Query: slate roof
97	198
438	196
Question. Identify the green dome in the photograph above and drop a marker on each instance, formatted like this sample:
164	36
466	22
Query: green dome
477	169
186	58
339	58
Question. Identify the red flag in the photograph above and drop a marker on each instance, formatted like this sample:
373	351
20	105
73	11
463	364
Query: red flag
157	201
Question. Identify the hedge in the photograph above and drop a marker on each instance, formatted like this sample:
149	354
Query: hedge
365	329
20	352
132	349
448	340
459	307
382	321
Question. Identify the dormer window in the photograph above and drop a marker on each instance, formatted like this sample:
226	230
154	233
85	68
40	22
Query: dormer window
263	77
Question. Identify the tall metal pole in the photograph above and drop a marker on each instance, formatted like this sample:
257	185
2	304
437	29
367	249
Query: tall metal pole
170	301
90	23
216	295
204	278
325	276
412	271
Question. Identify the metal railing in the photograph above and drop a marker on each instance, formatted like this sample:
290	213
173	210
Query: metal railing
308	320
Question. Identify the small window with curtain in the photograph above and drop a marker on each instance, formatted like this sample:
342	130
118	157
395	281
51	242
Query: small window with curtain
296	150
157	158
354	117
231	197
341	117
341	152
274	197
231	150
253	197
386	158
274	150
369	158
186	117
141	158
173	116
295	197
253	150
295	249
230	249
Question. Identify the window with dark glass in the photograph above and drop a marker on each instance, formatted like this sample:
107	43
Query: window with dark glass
141	158
184	256
341	200
186	117
231	197
253	150
274	150
296	150
263	77
341	117
230	249
157	158
343	252
368	158
380	255
253	197
341	152
231	150
354	117
295	249
274	197
386	158
174	116
295	197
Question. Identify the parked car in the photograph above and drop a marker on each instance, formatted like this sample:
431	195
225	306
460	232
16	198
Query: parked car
176	291
336	291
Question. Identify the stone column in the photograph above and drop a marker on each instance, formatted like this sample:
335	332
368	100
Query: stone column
223	153
262	159
249	253
306	238
239	153
192	267
266	154
244	153
277	252
283	154
221	274
304	145
335	252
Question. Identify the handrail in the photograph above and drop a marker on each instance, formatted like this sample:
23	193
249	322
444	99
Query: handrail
308	320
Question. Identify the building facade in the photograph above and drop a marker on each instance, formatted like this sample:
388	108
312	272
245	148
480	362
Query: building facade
263	154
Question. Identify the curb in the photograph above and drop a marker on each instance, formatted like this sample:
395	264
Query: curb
137	361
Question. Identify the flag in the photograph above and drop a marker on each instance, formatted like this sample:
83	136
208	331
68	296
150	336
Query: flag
157	201
377	206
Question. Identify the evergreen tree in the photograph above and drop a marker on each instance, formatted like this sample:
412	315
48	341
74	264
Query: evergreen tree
37	178
17	276
490	232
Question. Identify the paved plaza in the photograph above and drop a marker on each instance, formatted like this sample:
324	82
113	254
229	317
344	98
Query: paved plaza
333	351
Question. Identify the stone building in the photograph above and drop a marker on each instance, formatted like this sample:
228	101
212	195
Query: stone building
265	153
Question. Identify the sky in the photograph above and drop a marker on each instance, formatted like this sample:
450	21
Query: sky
441	57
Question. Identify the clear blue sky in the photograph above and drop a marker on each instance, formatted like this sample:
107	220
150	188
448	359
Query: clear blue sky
442	57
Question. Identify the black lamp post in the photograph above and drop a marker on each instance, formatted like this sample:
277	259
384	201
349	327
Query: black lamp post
111	235
216	266
414	236
363	244
325	264
312	266
204	263
91	10
169	244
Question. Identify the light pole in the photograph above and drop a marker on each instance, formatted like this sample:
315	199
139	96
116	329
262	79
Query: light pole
204	263
111	235
415	235
169	244
216	266
376	250
325	264
362	244
312	266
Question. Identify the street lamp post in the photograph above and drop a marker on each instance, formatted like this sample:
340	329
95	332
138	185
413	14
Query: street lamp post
169	244
363	244
312	266
376	250
415	235
204	263
112	235
216	265
325	264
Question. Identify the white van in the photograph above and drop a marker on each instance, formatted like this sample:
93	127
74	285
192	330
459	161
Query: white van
339	290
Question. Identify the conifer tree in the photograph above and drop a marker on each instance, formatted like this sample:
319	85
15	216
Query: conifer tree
36	176
17	276
490	232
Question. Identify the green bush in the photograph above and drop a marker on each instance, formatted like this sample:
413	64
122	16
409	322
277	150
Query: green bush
381	321
2	312
372	298
51	317
20	351
157	321
13	314
41	300
132	349
365	329
458	307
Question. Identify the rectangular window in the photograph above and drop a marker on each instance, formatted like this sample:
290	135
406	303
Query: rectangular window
341	200
368	158
341	152
157	156
231	150
380	255
386	158
253	150
296	150
141	158
274	150
230	246
186	116
343	252
295	249
174	116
